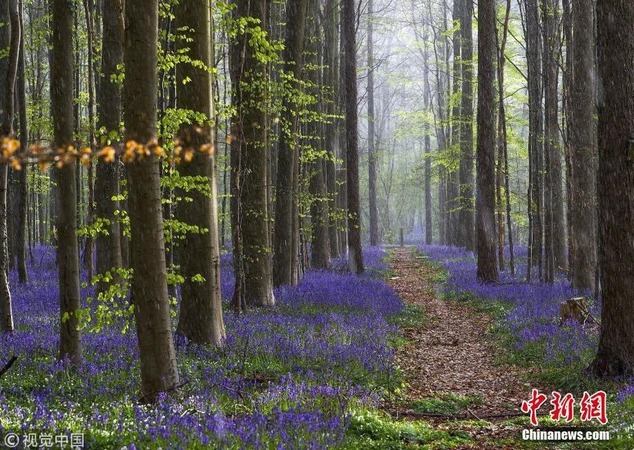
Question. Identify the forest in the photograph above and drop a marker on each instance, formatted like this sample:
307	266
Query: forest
289	224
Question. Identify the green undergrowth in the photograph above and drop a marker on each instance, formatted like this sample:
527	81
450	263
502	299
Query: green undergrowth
372	429
445	403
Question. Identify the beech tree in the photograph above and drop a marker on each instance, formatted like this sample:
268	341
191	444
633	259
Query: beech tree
466	218
355	257
615	30
485	164
149	285
9	37
583	148
200	318
66	224
372	153
288	151
615	27
108	245
250	217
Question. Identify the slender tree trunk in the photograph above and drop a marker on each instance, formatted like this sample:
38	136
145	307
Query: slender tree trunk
583	148
108	246
331	81
553	204
427	142
503	143
200	318
355	258
89	262
288	152
372	156
535	136
159	372
10	36
453	176
22	176
320	239
485	198
251	220
67	248
615	23
466	136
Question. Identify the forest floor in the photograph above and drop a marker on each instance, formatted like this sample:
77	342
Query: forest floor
452	368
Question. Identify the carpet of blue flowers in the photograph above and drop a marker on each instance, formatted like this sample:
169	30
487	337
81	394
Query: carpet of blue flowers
286	377
309	373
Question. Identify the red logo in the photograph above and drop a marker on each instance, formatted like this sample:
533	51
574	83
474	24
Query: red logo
591	406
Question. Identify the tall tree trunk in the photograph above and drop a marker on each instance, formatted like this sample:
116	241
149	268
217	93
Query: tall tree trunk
427	143
159	372
320	239
22	176
10	35
503	146
250	215
331	82
62	112
615	24
583	148
453	180
533	59
355	257
288	152
553	204
108	246
485	171
372	156
466	136
89	262
200	318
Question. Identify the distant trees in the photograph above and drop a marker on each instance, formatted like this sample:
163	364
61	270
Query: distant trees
615	19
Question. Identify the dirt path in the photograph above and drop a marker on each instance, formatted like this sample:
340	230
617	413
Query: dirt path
450	364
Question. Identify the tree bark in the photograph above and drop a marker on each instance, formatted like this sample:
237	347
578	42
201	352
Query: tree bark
372	154
159	372
10	36
553	203
429	227
250	215
320	239
355	257
485	171
535	143
200	318
108	246
67	247
583	148
288	150
22	176
466	135
615	26
503	145
331	81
